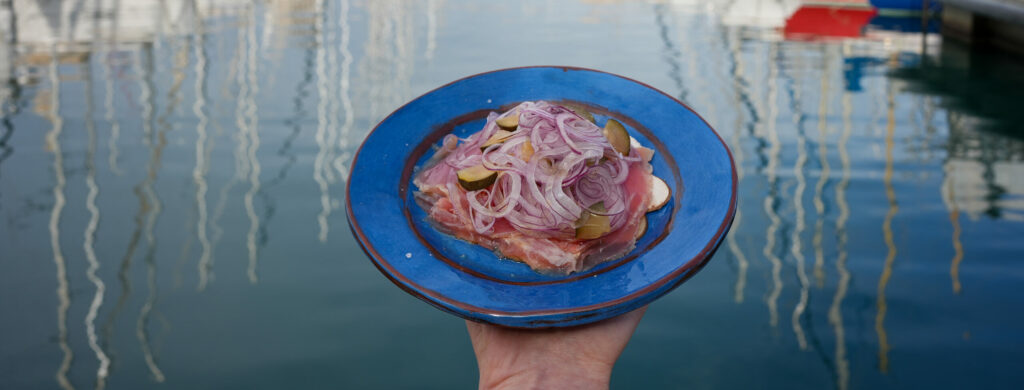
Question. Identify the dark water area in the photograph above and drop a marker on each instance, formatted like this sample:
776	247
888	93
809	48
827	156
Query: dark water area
172	179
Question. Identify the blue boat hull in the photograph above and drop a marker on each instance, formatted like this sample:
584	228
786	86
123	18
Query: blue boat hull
904	5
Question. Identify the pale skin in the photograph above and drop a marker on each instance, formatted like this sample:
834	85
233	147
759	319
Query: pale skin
559	358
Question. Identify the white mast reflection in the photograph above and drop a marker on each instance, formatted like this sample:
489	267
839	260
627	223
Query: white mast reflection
835	314
239	153
341	160
772	198
251	120
890	243
178	77
819	188
388	59
796	248
954	220
320	174
63	295
949	198
90	235
739	90
202	151
207	274
110	116
432	7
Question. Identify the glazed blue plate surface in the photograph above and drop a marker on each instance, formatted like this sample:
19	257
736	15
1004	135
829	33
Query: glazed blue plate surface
471	281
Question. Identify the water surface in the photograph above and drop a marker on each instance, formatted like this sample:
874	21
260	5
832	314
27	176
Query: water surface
172	176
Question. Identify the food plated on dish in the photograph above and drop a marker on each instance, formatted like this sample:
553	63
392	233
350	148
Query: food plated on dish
542	184
396	208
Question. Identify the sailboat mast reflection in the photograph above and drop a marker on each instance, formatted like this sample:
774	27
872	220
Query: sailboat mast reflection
88	242
319	169
741	97
240	155
251	120
156	208
671	53
823	177
890	243
949	197
432	7
110	115
796	247
63	295
343	157
835	314
771	202
958	247
10	91
144	205
202	150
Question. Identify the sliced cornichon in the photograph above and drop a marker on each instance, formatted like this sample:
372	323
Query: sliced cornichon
617	136
476	177
590	225
581	112
498	137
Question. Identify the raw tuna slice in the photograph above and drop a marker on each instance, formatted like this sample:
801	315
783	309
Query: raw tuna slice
547	189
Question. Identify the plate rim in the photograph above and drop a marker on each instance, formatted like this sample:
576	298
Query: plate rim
439	300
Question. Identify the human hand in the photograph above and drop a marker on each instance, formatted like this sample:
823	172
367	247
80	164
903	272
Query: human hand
560	358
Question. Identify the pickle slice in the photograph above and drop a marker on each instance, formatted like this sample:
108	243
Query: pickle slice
591	226
617	136
476	177
581	112
498	137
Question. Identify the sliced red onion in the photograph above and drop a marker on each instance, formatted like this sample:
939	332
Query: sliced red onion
572	168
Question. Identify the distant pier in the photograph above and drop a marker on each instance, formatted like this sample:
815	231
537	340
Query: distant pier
993	23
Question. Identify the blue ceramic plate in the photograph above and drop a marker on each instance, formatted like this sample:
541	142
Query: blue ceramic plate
470	281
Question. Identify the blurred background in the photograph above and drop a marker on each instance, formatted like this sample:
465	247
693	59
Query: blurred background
172	178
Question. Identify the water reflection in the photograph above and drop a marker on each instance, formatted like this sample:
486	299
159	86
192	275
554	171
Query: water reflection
890	243
433	6
200	81
10	94
823	177
389	53
835	313
63	296
949	196
286	150
796	247
10	88
771	201
344	138
155	207
741	97
672	54
325	131
88	241
202	150
144	75
248	122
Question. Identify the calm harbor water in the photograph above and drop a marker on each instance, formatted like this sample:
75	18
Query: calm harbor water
172	175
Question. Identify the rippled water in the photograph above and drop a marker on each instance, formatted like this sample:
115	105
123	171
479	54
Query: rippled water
171	177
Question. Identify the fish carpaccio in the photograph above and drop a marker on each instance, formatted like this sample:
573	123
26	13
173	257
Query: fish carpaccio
550	172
